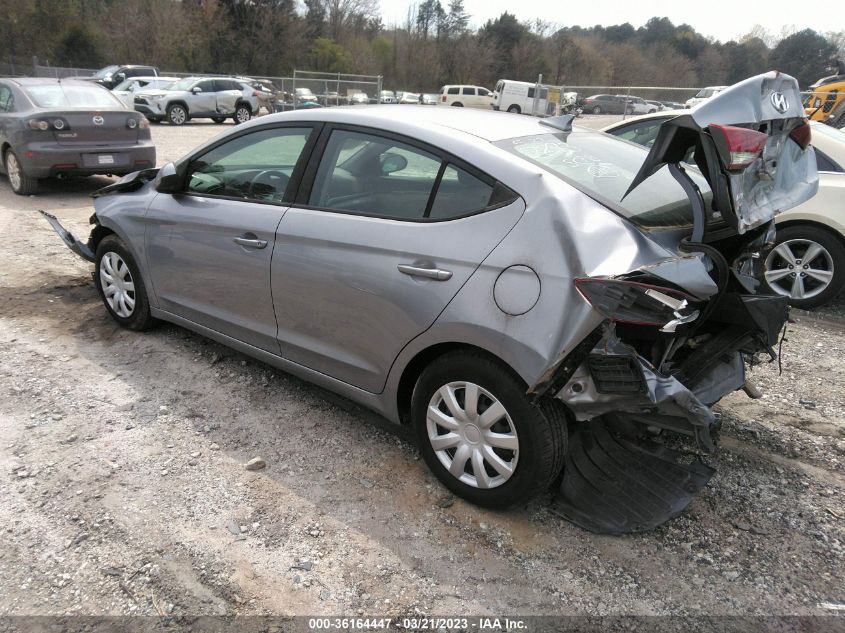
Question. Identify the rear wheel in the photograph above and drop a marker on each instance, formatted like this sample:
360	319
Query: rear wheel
119	283
177	114
807	264
596	110
218	119
515	109
22	184
481	435
243	113
458	104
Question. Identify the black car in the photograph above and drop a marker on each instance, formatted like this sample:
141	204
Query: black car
110	76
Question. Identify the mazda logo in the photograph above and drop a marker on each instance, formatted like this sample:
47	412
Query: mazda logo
98	120
779	102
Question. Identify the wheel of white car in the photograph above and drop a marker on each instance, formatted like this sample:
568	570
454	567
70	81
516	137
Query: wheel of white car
515	109
21	184
120	285
458	104
481	435
177	114
807	264
242	114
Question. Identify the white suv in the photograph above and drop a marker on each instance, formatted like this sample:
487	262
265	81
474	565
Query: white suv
466	96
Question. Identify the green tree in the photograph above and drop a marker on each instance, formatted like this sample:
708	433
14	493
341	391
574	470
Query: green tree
328	56
804	55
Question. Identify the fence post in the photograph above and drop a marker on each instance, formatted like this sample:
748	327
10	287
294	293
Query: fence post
627	100
536	95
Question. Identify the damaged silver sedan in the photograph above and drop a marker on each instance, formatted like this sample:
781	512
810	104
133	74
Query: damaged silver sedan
540	302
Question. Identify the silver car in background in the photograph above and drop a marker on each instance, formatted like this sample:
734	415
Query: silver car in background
215	98
67	127
125	91
530	297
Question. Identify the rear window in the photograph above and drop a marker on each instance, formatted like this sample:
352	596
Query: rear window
603	167
71	96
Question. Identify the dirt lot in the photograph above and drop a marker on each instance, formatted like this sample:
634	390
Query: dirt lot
124	490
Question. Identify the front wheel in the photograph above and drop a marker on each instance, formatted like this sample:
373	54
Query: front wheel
177	114
807	264
120	286
596	110
481	435
243	113
22	184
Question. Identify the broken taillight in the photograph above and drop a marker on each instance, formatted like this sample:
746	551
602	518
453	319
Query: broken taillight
802	134
637	303
738	146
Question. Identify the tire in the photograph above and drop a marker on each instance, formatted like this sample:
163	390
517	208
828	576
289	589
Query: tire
243	113
823	275
21	184
596	110
114	262
458	104
515	109
537	431
177	114
218	119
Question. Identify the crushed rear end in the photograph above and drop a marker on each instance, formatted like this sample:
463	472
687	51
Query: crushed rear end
672	342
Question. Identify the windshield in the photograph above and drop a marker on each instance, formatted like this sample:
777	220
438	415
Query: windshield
603	167
183	84
71	96
104	72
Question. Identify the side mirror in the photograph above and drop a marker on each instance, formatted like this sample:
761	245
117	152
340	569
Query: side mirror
168	179
196	89
119	78
391	163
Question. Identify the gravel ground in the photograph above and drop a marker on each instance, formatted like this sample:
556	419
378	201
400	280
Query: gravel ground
124	488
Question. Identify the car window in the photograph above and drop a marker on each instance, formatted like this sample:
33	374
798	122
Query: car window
459	193
206	86
374	175
604	168
71	96
256	166
642	133
453	90
7	103
483	92
823	162
468	91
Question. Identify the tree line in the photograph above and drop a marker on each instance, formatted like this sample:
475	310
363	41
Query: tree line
434	45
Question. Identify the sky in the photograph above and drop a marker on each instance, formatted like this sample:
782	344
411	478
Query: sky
720	19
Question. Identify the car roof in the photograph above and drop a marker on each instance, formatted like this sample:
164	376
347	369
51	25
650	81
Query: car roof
43	81
487	125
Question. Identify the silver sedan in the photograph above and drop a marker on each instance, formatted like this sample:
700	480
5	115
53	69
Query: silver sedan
534	299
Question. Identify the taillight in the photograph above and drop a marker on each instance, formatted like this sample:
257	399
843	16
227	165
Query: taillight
802	134
46	124
443	98
738	146
638	303
39	124
255	93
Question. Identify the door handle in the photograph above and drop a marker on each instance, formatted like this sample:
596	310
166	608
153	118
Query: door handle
250	243
428	273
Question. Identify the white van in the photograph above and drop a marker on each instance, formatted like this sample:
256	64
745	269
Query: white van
466	96
518	96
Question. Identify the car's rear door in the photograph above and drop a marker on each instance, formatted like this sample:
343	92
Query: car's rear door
209	247
228	92
384	233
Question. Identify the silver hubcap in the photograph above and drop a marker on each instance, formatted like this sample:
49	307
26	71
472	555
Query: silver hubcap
472	435
243	115
13	170
118	287
799	269
177	116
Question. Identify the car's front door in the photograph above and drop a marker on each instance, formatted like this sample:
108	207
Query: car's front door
384	233
203	99
209	248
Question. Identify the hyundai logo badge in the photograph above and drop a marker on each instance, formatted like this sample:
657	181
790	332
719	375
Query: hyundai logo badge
779	102
98	120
